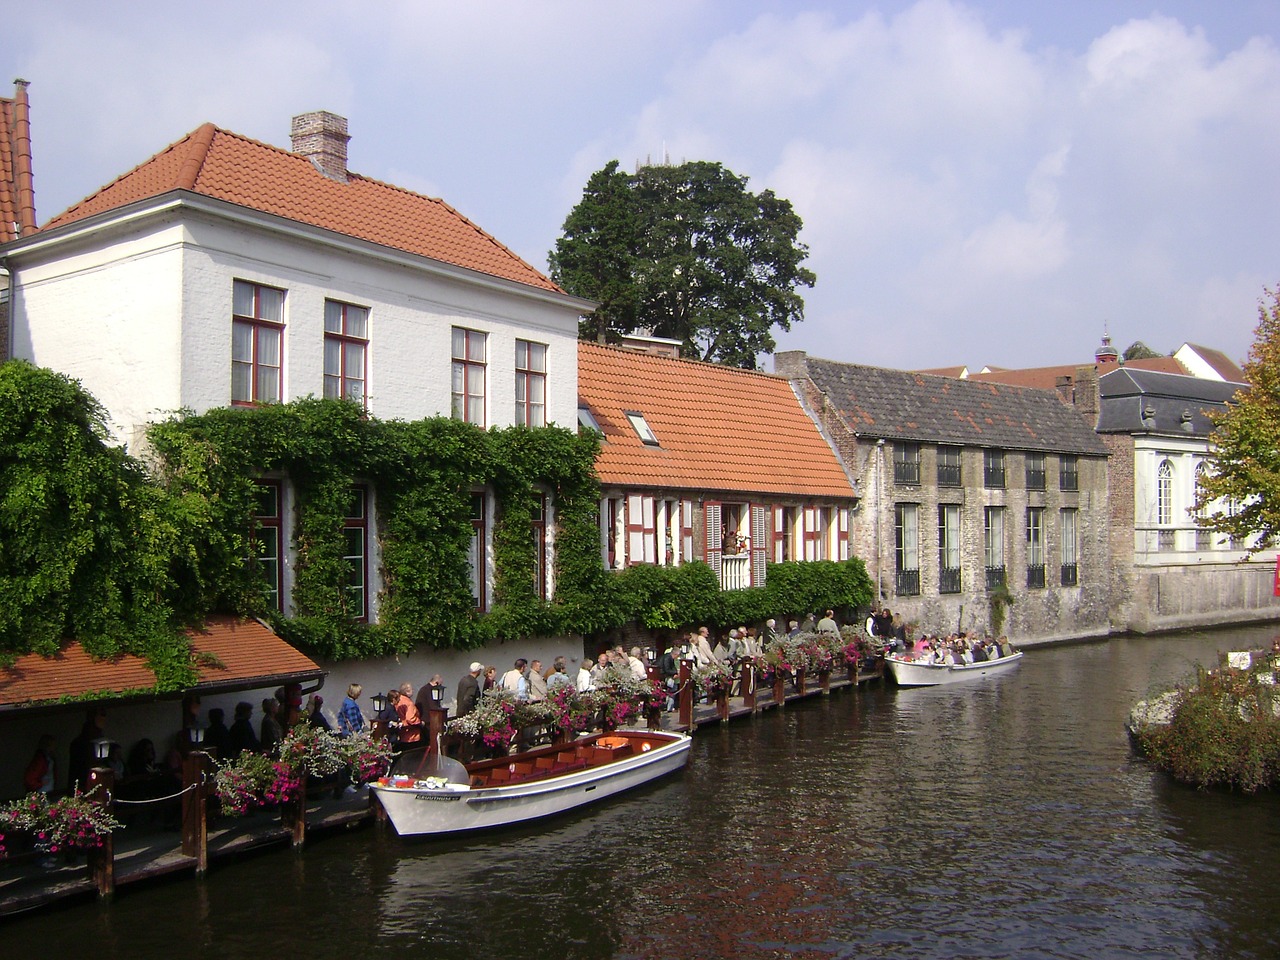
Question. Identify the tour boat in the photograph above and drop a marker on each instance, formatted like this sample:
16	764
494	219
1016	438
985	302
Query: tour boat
530	785
918	673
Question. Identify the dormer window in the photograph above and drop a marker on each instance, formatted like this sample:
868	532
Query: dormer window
587	420
642	428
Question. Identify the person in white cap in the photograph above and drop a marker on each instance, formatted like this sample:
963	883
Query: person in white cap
469	689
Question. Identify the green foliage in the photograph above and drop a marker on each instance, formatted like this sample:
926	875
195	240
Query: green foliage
1241	494
1224	732
89	544
688	252
1000	599
1140	351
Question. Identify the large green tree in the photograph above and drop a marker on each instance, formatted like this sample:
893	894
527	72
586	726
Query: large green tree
1241	496
686	252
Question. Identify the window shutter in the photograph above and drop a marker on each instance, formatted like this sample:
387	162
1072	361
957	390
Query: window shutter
776	544
715	536
635	529
649	530
606	533
810	534
842	514
686	531
759	543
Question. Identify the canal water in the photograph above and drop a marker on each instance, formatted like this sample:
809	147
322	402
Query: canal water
1002	819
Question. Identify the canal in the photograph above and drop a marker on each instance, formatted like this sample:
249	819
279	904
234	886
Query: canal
1003	819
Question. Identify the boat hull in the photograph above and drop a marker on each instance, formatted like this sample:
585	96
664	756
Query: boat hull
911	673
421	811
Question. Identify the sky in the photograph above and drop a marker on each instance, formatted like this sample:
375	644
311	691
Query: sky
982	182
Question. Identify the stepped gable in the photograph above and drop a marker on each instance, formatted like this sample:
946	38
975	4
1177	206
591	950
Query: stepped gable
227	166
718	428
903	405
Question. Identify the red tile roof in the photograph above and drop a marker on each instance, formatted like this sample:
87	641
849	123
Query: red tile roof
1046	378
718	428
226	166
17	195
1225	367
231	654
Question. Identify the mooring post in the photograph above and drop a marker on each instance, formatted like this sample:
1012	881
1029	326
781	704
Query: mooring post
102	860
197	771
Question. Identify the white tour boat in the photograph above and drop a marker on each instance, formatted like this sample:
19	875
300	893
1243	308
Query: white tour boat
526	786
921	673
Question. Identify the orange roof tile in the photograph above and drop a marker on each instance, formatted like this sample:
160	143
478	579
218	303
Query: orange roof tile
240	655
1046	378
226	166
718	428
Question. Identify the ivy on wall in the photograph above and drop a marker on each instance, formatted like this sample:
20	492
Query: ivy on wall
102	548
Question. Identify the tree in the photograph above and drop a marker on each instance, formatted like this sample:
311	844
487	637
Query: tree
1140	351
1241	494
685	252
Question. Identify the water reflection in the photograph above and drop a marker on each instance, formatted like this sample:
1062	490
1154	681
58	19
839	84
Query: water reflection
1006	819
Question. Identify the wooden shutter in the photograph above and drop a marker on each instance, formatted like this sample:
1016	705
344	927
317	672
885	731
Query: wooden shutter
686	531
810	534
759	543
776	545
842	546
635	529
649	523
714	535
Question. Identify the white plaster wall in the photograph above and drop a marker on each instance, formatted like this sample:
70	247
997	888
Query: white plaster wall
108	316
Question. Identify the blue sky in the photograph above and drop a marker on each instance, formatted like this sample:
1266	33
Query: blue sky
981	182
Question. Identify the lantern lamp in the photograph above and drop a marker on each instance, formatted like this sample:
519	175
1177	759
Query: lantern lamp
379	702
101	748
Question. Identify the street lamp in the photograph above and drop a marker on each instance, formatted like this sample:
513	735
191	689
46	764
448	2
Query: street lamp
379	701
101	748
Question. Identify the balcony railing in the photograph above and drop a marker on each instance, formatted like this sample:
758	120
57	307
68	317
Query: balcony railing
1069	575
948	579
993	476
995	577
735	572
1035	479
908	583
948	474
1068	479
906	471
1035	575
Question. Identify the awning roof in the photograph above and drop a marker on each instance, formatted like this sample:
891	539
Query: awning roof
231	654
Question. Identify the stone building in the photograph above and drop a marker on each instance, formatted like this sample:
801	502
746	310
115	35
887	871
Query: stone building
965	486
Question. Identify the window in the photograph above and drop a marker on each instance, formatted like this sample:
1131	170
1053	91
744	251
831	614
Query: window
993	469
587	421
785	533
1068	473
907	548
469	353
1035	471
1164	505
948	548
1204	536
1070	548
906	463
355	529
268	538
257	334
642	429
346	339
476	556
531	384
539	523
1035	546
993	544
949	474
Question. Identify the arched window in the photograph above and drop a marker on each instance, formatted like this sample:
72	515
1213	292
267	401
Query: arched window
1204	537
1164	493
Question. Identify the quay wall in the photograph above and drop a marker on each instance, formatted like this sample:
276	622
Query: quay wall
1171	597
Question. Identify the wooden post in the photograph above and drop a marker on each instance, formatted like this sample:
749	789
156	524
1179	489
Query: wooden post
722	703
436	717
379	729
293	816
102	860
779	688
824	681
197	773
686	696
800	680
853	672
653	716
747	685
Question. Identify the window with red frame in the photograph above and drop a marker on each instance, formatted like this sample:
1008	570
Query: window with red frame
539	523
531	384
469	360
346	339
257	342
268	538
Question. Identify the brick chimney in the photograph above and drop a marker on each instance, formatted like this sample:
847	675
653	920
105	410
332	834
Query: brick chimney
322	137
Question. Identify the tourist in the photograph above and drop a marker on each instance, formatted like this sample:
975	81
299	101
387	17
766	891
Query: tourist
584	684
638	670
242	736
431	695
315	713
270	733
793	629
388	720
350	716
559	675
490	678
599	670
81	751
409	720
702	651
469	689
514	679
827	625
537	683
218	738
41	775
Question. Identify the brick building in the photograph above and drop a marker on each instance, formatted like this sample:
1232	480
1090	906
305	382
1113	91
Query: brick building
966	485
